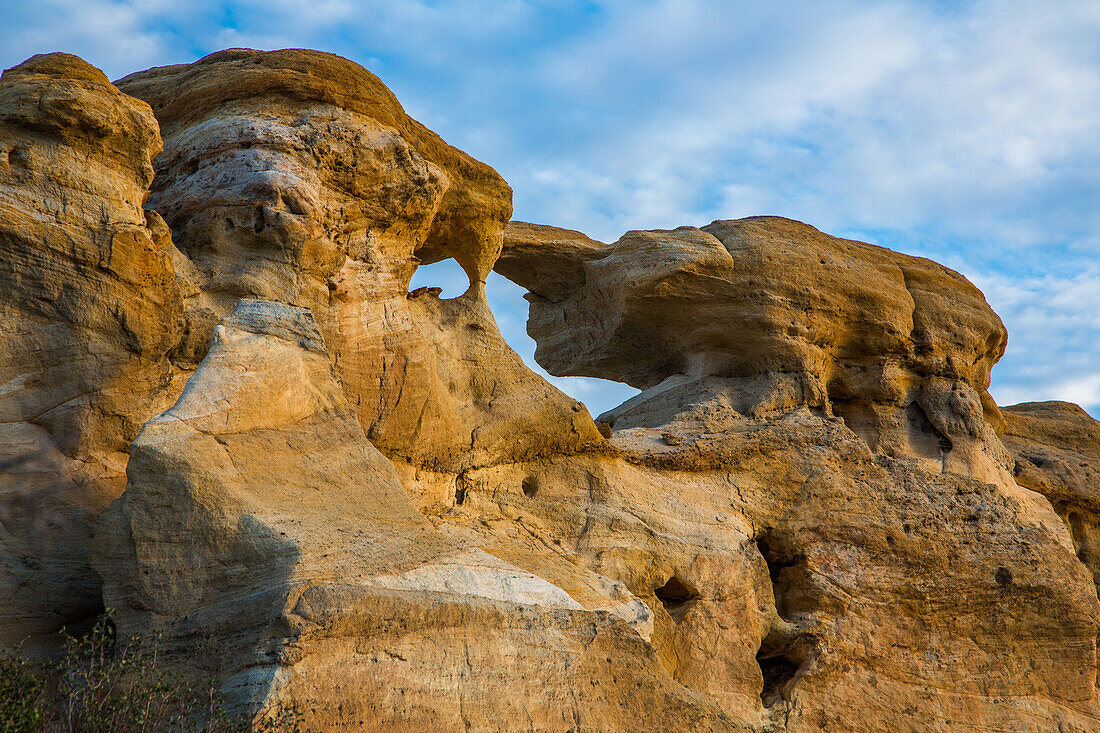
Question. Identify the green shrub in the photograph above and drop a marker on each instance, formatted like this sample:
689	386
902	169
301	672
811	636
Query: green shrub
103	686
108	687
22	694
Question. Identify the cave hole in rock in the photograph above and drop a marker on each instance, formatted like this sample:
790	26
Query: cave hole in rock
530	486
777	671
1077	534
779	562
855	413
928	441
676	596
777	665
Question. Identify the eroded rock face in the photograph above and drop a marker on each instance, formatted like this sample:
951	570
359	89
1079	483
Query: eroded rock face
296	176
774	315
810	407
89	310
1057	452
364	504
789	571
258	518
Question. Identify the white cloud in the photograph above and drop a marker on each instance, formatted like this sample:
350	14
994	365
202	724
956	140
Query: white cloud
1054	329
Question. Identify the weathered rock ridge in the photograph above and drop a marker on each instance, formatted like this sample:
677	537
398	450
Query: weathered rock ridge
899	347
357	500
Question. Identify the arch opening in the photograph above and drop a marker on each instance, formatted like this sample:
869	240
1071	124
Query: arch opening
510	311
446	278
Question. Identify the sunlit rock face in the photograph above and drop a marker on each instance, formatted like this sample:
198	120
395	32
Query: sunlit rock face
1056	448
296	176
358	501
822	407
772	314
260	525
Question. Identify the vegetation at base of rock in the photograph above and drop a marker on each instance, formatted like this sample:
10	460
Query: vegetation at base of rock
100	685
22	694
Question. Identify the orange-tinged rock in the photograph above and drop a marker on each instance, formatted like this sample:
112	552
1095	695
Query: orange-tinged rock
363	503
89	309
296	176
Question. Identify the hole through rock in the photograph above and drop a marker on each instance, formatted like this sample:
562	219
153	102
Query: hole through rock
446	275
782	571
777	671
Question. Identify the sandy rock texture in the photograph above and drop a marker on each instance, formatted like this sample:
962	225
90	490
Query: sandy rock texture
1057	453
89	310
774	314
296	176
357	500
805	530
260	521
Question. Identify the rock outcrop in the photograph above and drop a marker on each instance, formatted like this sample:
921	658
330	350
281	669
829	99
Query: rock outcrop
824	414
1057	453
775	315
296	176
358	501
89	310
258	519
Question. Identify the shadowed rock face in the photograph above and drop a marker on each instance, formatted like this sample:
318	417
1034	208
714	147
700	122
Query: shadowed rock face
89	310
818	407
1056	446
358	500
258	519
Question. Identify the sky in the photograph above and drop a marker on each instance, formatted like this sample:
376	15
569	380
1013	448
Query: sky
967	132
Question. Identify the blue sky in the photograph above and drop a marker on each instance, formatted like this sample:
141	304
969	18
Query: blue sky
968	132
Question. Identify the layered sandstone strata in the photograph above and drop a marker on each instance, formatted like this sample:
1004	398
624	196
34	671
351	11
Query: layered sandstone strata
773	314
364	504
296	176
261	528
89	310
1057	453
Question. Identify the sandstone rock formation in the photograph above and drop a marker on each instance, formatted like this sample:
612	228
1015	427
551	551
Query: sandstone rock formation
358	500
805	416
898	346
89	310
296	176
1057	450
259	519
